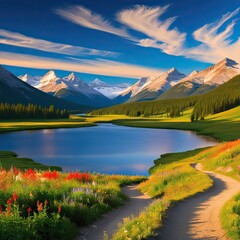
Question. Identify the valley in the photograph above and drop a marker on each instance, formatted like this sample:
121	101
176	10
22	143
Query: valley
119	120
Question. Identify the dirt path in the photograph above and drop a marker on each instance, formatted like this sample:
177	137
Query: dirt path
198	216
109	222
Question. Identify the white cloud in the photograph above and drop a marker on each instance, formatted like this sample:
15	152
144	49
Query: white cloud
86	18
147	21
20	40
99	66
215	40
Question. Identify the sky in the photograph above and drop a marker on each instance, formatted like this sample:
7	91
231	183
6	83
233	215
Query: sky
117	41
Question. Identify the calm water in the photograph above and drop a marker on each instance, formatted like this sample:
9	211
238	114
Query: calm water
106	148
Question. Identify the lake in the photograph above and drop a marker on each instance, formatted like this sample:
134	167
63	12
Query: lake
106	148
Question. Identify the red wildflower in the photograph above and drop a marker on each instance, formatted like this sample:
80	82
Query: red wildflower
51	175
29	174
40	207
0	209
82	177
9	201
14	197
59	208
29	210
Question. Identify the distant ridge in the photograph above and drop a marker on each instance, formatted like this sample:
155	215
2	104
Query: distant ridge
198	83
13	90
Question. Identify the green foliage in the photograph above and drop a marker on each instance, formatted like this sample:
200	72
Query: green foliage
20	111
225	97
10	159
38	226
171	108
230	217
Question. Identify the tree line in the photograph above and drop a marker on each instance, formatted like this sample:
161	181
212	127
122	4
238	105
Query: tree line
220	99
30	111
171	108
224	97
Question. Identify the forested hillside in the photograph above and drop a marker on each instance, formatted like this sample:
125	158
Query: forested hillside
172	108
20	111
224	97
221	99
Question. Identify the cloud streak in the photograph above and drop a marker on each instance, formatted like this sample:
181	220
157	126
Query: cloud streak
147	21
215	40
20	40
99	66
86	18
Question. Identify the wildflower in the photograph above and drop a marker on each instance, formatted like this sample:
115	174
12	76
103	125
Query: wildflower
81	177
45	203
14	197
59	208
9	201
50	175
0	209
29	210
40	207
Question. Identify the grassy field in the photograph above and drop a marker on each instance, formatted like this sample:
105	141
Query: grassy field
20	125
224	126
49	204
10	159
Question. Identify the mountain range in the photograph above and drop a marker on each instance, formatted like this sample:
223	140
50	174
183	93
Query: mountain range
13	90
72	92
198	83
73	89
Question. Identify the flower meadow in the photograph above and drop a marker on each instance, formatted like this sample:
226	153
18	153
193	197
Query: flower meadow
51	205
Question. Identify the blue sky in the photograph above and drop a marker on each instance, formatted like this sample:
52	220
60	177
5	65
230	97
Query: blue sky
117	41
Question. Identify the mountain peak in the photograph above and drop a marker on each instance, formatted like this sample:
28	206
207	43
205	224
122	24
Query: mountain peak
50	74
98	81
173	69
227	62
193	73
72	77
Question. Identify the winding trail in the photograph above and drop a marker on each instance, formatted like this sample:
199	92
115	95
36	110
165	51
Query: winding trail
199	216
109	222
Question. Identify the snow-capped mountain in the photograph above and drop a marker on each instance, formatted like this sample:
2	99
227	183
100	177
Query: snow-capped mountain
201	82
71	88
14	90
110	91
216	74
32	80
150	88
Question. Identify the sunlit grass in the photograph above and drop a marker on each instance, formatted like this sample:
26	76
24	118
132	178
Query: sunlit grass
18	125
223	126
173	179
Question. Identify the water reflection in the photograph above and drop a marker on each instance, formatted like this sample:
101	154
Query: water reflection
106	148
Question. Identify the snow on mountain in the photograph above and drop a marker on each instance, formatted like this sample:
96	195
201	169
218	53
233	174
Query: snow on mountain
75	83
216	74
110	91
32	80
193	73
164	81
134	89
